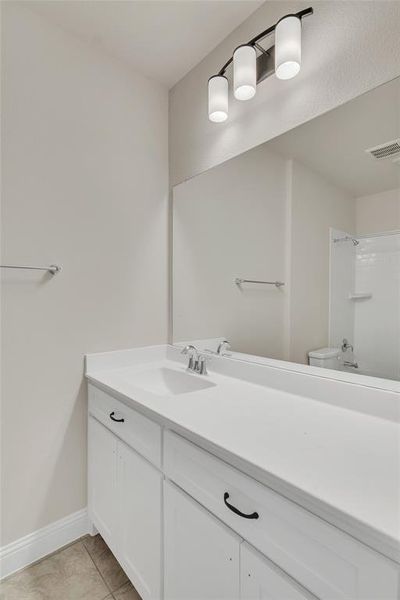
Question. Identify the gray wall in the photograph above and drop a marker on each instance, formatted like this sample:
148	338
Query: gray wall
230	222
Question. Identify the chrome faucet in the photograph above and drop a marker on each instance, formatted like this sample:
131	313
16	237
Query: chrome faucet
193	354
197	362
346	345
350	363
223	347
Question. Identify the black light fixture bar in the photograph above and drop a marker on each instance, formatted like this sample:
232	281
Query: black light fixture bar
302	13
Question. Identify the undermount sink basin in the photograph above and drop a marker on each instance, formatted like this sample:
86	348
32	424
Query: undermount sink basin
164	381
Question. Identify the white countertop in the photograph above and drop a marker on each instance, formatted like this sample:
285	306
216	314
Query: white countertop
340	464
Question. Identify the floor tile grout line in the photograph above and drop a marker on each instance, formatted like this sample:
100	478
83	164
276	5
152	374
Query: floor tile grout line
99	572
112	592
79	541
121	586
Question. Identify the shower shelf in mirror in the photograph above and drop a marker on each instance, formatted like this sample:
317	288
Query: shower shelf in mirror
360	296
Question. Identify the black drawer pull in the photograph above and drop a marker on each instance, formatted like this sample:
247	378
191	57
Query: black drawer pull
114	419
253	515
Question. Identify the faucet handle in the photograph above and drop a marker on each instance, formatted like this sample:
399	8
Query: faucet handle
202	364
193	357
191	350
223	347
187	349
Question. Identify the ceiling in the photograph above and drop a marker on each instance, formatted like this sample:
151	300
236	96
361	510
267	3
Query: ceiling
163	39
334	144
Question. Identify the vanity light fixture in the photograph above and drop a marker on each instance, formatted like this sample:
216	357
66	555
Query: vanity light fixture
283	58
288	47
218	98
244	72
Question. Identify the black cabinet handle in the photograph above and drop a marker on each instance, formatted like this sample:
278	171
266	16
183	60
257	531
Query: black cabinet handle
253	515
114	419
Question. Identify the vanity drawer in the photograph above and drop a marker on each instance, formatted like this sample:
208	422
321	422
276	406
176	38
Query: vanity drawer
326	561
139	432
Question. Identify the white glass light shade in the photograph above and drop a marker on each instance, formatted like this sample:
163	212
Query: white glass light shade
288	47
218	98
244	72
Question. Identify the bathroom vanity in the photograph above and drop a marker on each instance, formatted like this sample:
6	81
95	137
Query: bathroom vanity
250	482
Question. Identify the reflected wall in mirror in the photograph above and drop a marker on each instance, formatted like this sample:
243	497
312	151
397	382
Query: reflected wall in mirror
317	210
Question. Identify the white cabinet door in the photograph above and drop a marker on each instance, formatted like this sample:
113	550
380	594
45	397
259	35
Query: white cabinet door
260	580
140	509
102	466
201	555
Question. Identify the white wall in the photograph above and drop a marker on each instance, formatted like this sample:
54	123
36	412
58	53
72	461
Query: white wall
230	222
378	212
85	185
317	206
348	48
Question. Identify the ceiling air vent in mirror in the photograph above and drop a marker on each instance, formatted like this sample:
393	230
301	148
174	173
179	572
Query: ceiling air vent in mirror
387	150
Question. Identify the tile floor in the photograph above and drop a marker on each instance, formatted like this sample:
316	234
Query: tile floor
85	570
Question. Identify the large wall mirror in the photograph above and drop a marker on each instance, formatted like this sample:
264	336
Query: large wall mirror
291	251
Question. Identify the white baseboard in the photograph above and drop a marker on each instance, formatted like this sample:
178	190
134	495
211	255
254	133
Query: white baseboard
36	545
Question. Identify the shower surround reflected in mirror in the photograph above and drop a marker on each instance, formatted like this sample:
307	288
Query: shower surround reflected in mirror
364	301
317	209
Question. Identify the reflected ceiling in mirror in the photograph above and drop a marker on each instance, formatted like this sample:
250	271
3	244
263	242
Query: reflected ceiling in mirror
291	251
